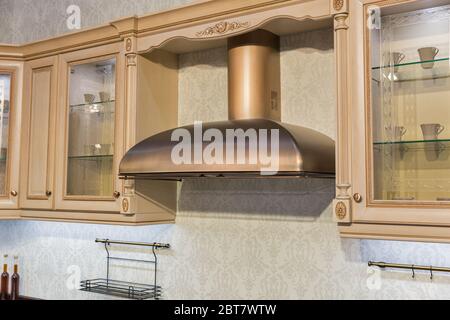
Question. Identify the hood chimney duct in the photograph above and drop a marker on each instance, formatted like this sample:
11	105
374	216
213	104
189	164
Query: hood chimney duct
254	76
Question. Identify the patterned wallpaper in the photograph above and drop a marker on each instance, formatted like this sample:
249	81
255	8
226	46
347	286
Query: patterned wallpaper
236	239
6	21
31	20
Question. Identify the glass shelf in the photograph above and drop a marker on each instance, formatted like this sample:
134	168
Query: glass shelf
92	157
104	107
413	71
412	142
441	144
91	104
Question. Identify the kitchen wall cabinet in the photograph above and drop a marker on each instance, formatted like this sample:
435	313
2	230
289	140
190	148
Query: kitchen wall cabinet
69	170
10	124
90	122
75	127
152	108
393	180
72	136
39	133
103	90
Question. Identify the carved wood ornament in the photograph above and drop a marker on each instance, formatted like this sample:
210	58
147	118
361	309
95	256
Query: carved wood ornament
222	28
125	205
129	44
131	60
338	5
341	210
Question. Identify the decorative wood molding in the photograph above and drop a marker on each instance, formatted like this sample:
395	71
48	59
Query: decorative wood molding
338	5
341	210
222	28
126	27
340	21
131	27
437	234
131	60
125	205
128	44
343	143
206	10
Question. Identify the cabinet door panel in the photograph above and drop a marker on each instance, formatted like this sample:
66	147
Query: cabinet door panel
90	120
91	129
40	119
10	111
6	81
38	150
400	163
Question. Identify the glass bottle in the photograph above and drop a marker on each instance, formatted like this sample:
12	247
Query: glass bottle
4	291
15	280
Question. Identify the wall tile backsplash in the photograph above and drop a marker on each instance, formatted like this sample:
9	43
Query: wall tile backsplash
238	239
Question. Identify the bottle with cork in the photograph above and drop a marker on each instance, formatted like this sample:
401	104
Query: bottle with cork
4	282
15	280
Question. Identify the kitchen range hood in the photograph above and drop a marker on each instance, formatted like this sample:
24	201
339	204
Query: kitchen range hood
254	104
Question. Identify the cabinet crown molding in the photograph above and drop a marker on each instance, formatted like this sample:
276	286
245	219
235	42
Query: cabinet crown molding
222	28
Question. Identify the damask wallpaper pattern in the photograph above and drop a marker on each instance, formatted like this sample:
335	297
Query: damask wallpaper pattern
34	20
242	239
6	21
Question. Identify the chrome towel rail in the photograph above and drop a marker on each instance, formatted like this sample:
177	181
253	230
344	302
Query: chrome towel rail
411	267
131	243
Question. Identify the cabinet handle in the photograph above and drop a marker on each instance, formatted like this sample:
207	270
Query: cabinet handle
358	198
117	194
14	193
48	193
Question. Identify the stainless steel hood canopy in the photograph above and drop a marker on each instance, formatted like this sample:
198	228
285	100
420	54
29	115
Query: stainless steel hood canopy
302	152
254	103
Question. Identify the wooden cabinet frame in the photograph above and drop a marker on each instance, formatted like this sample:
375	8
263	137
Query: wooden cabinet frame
28	198
367	218
128	38
10	201
88	203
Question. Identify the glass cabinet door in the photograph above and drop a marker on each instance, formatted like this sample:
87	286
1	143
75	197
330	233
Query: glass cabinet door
5	104
91	124
409	103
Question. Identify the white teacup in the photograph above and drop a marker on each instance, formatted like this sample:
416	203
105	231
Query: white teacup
394	59
89	98
431	131
433	151
396	132
428	54
104	96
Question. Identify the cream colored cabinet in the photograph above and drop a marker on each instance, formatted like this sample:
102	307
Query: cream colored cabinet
75	123
89	142
396	181
10	119
38	134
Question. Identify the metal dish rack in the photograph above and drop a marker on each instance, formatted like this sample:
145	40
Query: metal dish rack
124	289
